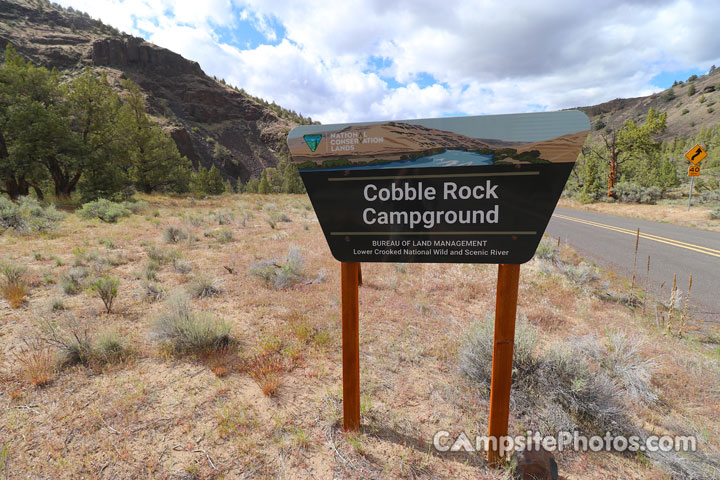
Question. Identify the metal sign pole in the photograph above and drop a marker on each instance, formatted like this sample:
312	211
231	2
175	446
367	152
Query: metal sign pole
350	275
690	194
503	343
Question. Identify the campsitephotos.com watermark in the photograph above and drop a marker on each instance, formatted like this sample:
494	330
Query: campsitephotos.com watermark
443	441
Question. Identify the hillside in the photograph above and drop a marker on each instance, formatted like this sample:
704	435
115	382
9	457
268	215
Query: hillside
210	122
687	113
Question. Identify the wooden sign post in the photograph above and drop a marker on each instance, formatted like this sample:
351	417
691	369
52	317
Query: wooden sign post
438	190
503	347
350	274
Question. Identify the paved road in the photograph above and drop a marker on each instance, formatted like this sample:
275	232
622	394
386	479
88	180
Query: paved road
609	241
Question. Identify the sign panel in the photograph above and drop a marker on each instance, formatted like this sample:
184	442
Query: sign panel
696	154
454	190
694	171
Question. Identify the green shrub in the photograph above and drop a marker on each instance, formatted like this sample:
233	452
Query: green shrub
73	282
185	331
715	214
134	207
557	388
546	250
278	217
27	216
631	192
580	274
104	210
106	289
280	275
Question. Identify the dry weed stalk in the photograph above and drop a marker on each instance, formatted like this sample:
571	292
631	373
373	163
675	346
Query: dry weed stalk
671	308
637	242
15	294
647	278
266	369
683	317
37	362
15	288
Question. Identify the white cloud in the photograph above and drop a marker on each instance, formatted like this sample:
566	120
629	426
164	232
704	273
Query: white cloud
488	56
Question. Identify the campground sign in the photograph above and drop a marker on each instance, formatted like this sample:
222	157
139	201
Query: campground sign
453	190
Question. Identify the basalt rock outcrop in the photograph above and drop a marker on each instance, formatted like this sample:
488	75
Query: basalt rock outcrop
198	110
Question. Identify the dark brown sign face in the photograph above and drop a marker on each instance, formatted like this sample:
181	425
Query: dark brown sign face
453	190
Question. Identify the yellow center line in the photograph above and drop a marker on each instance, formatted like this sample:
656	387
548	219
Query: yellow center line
647	236
634	232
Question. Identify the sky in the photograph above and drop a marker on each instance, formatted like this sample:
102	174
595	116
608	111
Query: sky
358	60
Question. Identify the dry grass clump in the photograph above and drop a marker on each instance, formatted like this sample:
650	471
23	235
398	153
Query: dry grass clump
110	347
266	369
278	217
14	287
37	363
203	286
225	236
72	283
280	275
57	305
174	234
621	358
185	331
231	419
150	270
152	291
305	332
78	345
581	274
181	266
223	217
159	255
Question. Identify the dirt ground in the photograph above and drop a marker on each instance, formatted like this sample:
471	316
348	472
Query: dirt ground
270	407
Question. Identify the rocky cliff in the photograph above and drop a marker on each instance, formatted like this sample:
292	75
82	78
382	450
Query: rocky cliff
211	123
691	105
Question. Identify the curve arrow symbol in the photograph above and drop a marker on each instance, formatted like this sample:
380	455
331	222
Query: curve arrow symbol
697	152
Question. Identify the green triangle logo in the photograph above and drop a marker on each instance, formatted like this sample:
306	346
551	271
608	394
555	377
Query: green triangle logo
312	141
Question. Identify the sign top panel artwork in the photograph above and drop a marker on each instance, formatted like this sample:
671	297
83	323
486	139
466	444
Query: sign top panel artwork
458	190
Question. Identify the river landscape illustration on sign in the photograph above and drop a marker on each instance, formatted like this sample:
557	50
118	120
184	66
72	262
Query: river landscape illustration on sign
458	189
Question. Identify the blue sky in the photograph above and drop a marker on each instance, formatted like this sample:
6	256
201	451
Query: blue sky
374	60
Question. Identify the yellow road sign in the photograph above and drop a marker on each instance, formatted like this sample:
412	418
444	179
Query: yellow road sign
694	171
696	154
